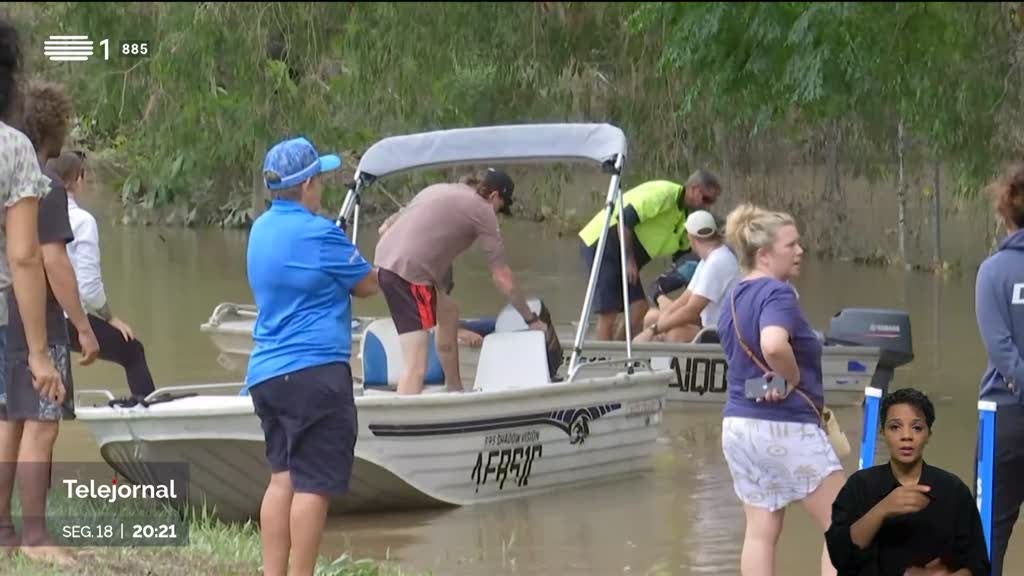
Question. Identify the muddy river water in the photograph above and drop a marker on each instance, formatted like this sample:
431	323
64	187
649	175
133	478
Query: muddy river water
681	517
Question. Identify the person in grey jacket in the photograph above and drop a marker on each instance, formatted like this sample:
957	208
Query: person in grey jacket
999	302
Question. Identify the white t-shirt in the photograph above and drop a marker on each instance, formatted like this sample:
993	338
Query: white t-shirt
713	278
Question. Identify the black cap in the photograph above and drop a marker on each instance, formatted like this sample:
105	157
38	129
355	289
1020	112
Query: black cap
500	181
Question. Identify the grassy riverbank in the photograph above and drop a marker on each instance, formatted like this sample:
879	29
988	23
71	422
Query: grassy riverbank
212	547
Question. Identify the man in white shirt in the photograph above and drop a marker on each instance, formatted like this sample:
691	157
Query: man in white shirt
117	342
698	307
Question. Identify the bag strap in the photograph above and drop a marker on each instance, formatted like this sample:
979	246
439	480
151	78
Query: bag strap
760	364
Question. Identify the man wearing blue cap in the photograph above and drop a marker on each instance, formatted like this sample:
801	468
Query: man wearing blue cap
303	271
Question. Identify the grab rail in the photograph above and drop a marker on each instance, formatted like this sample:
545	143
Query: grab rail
629	364
225	308
100	392
191	388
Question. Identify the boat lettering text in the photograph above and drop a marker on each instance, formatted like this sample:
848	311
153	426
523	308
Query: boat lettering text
643	408
713	378
511	438
507	465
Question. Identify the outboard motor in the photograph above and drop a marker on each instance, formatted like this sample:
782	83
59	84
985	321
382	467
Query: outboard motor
509	320
888	330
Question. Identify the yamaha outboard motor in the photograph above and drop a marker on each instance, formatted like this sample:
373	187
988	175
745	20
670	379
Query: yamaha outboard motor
509	319
888	330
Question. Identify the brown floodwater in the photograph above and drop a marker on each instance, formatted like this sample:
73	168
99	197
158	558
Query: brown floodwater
680	518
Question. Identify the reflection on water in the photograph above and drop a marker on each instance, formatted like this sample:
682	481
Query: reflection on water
680	518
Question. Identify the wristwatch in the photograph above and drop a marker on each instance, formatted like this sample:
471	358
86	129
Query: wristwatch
533	318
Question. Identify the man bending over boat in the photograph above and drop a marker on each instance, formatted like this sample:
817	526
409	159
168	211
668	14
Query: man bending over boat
653	221
415	254
31	421
303	271
698	307
117	341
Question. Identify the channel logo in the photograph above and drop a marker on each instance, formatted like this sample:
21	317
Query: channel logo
68	48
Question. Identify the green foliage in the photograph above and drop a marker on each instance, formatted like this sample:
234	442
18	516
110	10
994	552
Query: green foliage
689	83
940	67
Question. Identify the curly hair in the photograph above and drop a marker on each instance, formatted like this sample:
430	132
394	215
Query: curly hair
47	114
10	64
1008	196
911	397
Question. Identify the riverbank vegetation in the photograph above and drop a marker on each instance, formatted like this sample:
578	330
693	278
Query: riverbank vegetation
802	105
202	544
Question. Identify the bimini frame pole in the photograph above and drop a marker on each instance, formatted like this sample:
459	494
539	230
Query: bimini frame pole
350	207
613	195
625	282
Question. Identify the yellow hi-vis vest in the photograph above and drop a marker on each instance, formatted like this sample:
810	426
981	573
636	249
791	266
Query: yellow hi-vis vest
661	229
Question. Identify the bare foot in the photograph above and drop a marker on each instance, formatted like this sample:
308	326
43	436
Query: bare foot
49	554
9	540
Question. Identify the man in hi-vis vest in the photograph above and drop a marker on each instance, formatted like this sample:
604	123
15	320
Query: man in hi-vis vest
655	214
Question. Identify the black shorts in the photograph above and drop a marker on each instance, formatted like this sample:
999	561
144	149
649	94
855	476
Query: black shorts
310	426
24	402
413	306
608	291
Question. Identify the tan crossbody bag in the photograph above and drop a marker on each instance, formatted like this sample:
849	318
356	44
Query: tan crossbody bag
826	417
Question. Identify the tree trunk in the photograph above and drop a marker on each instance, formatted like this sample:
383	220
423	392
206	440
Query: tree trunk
937	215
901	196
835	218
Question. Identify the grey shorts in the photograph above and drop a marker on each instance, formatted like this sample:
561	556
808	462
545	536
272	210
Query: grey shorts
24	403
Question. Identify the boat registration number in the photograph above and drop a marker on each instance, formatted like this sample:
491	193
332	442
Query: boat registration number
508	465
699	375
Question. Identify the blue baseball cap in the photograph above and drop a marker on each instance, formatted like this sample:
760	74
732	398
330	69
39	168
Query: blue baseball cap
294	161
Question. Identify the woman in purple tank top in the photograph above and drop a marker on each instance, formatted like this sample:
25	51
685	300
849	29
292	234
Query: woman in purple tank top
776	450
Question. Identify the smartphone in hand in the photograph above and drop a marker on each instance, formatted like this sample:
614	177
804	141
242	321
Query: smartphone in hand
757	388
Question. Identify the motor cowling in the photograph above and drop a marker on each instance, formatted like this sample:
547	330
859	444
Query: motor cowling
883	328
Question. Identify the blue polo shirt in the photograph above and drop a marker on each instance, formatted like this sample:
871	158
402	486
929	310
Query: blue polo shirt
301	269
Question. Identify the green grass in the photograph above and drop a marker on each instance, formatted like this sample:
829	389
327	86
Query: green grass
213	547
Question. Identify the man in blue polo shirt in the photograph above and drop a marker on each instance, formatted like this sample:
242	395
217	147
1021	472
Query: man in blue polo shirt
303	271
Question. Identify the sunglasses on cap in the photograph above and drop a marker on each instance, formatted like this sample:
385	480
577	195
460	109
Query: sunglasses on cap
705	232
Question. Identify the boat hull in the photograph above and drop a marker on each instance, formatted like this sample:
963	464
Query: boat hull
412	452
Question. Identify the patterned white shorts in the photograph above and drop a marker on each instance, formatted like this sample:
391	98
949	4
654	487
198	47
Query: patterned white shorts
776	463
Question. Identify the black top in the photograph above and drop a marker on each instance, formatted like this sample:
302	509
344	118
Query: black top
949	527
54	226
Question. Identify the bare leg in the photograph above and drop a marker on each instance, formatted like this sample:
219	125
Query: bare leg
10	439
274	524
685	333
34	462
309	513
447	341
415	347
819	505
637	310
762	534
606	325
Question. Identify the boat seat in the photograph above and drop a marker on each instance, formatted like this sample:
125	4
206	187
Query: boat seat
509	319
383	362
510	360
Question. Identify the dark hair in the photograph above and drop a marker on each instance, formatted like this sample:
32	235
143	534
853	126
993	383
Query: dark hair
47	114
68	166
1008	196
704	179
912	397
10	64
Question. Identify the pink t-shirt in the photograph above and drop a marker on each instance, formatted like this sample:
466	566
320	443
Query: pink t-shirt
440	223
